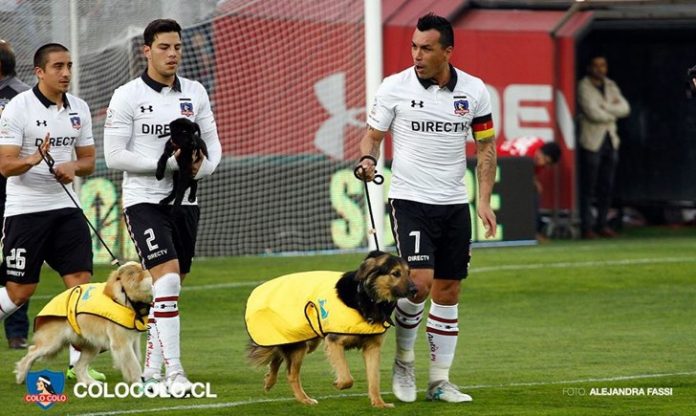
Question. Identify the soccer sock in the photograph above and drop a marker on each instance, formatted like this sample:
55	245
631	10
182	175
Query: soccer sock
166	316
441	329
7	307
407	317
74	356
153	350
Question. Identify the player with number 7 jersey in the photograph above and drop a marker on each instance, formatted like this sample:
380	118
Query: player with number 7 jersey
429	109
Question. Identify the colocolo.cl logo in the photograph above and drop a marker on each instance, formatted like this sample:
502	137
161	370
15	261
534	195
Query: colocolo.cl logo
138	390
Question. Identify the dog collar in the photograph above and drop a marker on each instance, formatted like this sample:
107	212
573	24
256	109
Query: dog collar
141	309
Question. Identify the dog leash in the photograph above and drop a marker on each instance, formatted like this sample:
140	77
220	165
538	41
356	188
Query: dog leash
378	180
50	162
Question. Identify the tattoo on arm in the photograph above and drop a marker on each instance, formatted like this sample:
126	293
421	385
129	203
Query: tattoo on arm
486	167
376	137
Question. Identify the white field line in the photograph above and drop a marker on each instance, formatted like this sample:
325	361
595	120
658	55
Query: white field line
475	270
334	396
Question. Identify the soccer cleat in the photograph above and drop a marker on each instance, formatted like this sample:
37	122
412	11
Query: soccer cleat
70	374
445	391
178	385
404	381
154	385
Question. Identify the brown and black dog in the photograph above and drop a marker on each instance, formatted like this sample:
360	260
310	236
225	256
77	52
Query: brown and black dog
287	318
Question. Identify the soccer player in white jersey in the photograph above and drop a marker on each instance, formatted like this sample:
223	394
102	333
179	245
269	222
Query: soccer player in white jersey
429	109
139	113
41	221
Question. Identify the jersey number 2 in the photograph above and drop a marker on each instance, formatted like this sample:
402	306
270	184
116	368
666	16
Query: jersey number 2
150	233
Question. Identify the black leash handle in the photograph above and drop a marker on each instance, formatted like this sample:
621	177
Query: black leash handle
50	162
378	179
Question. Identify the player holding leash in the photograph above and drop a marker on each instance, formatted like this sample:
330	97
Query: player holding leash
41	221
429	109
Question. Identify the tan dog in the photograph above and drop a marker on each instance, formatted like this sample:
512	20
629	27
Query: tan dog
95	317
287	318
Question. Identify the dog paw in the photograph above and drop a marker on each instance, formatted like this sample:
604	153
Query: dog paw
269	382
309	401
381	404
343	384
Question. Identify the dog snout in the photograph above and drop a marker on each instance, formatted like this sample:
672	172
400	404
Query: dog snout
412	289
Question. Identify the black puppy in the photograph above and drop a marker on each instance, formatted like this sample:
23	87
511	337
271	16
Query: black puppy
184	135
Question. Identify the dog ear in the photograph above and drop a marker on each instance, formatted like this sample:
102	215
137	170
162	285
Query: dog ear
374	253
112	282
368	265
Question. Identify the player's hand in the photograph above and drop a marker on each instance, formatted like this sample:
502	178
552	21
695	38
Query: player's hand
35	158
365	170
65	172
198	157
488	217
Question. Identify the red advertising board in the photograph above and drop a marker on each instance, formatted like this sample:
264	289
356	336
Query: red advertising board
273	111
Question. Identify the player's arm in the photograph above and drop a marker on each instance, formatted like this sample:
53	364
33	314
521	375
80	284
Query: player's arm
369	152
486	165
203	166
12	125
118	129
84	165
379	121
11	164
118	157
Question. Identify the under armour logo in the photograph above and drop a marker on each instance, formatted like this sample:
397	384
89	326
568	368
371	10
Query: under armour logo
144	109
331	93
41	123
416	103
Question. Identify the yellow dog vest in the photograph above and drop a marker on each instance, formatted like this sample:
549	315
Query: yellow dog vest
302	306
90	299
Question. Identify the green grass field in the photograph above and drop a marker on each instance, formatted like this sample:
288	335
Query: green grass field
540	327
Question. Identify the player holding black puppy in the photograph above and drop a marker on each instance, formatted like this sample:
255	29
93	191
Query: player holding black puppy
140	111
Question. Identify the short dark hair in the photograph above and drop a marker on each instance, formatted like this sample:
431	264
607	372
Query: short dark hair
596	55
7	60
439	23
41	55
552	150
160	26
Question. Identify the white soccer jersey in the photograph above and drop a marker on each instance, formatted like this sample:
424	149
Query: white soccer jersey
24	122
139	112
429	128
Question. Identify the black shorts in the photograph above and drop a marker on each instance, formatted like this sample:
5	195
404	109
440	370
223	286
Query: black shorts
162	233
60	237
434	237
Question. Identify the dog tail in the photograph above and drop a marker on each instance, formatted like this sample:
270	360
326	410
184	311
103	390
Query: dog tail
262	356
